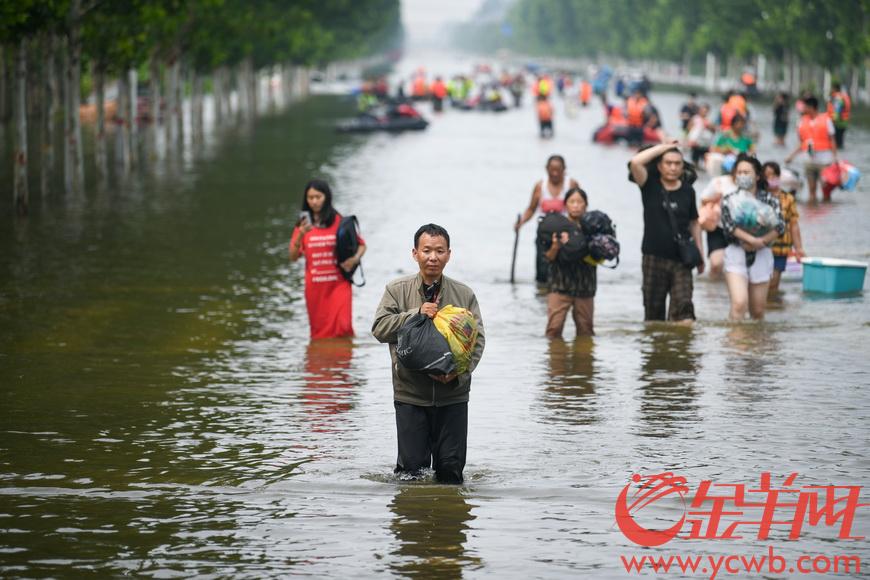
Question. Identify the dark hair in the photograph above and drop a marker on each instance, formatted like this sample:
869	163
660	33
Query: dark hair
690	174
558	158
738	119
433	230
574	190
756	165
327	212
693	94
774	166
811	101
835	86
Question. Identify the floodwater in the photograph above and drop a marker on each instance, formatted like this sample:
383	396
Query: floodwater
164	414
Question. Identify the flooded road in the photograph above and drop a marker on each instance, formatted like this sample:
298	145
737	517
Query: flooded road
164	414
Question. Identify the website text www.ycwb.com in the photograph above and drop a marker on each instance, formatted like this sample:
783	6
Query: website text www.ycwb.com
735	564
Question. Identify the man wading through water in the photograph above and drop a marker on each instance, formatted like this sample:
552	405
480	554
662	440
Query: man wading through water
659	172
431	410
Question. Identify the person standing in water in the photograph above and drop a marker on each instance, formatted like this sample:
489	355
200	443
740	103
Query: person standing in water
572	284
431	410
328	294
547	196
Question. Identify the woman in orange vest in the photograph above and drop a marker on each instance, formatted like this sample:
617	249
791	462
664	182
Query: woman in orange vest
585	92
816	135
636	110
439	92
545	116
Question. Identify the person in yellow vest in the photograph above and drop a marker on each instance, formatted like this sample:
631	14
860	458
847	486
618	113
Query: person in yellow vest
839	109
816	136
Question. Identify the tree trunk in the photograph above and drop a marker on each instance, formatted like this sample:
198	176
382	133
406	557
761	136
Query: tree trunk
196	109
123	112
169	125
74	124
49	112
100	143
217	92
154	104
20	194
133	111
68	180
2	85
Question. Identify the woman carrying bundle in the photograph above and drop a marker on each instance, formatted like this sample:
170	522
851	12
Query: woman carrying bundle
572	282
752	221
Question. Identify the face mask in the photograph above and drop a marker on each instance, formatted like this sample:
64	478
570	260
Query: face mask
773	183
744	181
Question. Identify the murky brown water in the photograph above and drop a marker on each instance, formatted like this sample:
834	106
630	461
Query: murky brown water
163	413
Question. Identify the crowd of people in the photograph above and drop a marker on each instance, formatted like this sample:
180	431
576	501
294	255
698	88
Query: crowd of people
749	214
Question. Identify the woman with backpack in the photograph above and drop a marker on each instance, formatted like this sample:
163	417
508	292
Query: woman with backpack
328	295
573	281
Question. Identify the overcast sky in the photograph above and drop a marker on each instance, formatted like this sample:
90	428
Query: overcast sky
423	18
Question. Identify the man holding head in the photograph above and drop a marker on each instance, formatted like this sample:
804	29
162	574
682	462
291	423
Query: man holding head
431	410
669	214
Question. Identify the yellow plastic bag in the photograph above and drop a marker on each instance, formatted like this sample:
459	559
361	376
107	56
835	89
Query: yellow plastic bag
459	327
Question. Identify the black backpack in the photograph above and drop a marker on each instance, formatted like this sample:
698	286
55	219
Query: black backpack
603	248
574	249
346	245
597	223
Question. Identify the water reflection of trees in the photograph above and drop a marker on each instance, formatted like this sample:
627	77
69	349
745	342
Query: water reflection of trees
569	395
430	524
330	384
668	380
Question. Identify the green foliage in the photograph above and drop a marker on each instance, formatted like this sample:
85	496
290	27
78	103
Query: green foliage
818	31
118	34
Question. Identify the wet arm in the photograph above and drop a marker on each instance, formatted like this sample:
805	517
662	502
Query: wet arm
637	165
533	205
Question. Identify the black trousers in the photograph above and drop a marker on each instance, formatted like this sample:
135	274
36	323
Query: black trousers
839	133
432	437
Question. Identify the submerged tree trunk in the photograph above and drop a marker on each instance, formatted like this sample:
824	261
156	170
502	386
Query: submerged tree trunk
217	93
20	194
169	125
197	120
100	142
133	110
49	113
67	122
122	115
155	101
74	124
2	84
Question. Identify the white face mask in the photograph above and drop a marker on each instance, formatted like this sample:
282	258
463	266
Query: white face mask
744	181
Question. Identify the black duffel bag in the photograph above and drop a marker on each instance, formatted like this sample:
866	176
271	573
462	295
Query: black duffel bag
572	251
422	348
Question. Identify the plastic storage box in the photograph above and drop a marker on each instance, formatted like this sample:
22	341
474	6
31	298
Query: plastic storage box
832	275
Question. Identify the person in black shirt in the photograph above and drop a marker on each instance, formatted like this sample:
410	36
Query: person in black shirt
659	171
780	118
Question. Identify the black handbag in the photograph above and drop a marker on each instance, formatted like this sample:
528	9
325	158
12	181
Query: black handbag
689	254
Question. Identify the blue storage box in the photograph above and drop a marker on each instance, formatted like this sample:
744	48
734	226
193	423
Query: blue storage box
832	275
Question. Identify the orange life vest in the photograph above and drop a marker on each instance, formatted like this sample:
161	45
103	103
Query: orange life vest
739	103
439	89
726	114
847	105
815	130
585	92
616	116
635	107
545	111
748	79
419	88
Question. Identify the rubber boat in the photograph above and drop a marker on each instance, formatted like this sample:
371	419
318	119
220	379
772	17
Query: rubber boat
395	120
609	134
